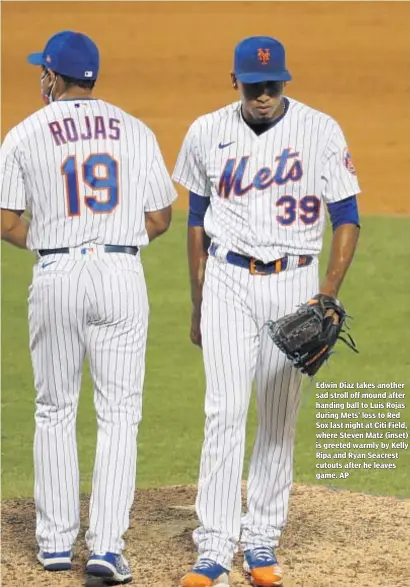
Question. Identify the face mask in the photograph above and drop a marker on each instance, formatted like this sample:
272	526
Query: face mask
44	96
47	98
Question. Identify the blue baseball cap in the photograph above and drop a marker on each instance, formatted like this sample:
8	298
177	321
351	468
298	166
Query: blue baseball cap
69	53
260	59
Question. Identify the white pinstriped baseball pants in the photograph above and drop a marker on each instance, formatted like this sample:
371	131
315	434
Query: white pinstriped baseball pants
100	308
236	351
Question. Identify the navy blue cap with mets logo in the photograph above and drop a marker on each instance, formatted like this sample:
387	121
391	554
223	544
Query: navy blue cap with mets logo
69	53
260	59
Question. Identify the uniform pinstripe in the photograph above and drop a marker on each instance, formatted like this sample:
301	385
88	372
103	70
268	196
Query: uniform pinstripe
252	200
87	302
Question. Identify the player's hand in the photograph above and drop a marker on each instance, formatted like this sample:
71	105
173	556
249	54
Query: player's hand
330	313
195	333
334	315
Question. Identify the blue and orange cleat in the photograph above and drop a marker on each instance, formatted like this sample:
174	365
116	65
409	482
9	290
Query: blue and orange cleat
206	573
262	567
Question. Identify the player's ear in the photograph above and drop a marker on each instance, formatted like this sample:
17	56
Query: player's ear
234	81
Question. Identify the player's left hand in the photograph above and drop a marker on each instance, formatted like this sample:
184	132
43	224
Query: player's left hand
308	335
195	334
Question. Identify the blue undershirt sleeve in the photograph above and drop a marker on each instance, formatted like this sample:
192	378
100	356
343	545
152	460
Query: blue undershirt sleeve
198	206
344	212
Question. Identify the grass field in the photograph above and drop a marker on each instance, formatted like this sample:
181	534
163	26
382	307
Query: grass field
376	292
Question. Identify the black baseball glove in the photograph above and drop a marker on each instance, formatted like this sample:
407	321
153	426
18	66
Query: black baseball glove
308	335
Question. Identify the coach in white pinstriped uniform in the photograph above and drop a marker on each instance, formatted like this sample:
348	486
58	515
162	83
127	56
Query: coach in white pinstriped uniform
95	183
260	173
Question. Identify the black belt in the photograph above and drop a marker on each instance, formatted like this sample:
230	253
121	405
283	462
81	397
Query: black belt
256	267
107	249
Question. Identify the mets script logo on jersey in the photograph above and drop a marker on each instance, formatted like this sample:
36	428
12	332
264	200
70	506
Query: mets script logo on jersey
264	56
288	168
347	159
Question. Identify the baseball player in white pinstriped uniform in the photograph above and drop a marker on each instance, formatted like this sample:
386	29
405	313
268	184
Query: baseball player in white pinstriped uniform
95	183
260	173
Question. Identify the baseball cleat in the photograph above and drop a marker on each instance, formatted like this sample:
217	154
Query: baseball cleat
55	561
262	567
109	566
206	573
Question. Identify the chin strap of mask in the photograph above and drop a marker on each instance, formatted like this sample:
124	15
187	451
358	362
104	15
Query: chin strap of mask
48	98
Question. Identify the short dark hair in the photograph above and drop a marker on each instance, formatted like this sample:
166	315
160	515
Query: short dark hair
81	83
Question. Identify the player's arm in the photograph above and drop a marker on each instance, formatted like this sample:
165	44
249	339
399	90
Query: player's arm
160	195
14	228
190	172
157	222
197	245
340	188
344	216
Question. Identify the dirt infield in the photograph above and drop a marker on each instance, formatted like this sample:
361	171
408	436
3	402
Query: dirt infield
333	539
169	62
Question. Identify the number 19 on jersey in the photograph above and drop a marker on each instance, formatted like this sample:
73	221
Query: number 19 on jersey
108	182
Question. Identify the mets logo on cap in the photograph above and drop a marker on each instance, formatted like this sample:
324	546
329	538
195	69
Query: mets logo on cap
264	55
347	160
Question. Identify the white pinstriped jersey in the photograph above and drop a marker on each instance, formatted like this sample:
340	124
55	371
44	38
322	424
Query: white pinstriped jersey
87	171
267	192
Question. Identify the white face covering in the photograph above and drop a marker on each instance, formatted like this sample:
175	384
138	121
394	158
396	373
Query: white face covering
47	98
